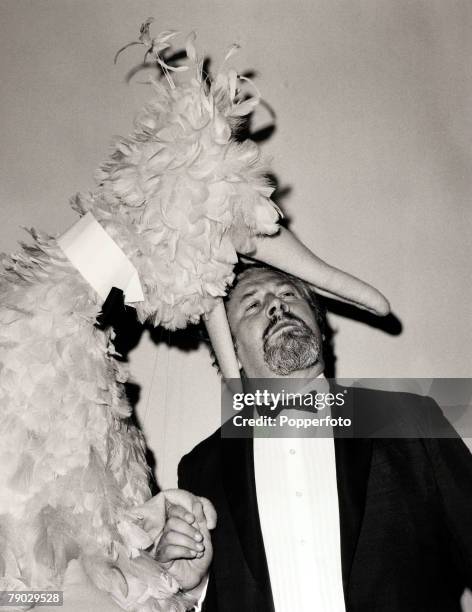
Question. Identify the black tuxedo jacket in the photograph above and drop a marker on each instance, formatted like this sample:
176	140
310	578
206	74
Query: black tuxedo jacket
405	510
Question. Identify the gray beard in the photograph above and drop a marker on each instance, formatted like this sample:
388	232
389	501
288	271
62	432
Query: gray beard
293	349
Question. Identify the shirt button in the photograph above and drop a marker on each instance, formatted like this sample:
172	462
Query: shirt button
298	493
292	451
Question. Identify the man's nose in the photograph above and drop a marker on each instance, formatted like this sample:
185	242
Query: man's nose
276	307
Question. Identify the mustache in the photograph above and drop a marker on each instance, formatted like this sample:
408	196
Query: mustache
288	316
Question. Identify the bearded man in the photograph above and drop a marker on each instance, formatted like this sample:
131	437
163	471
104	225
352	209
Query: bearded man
323	524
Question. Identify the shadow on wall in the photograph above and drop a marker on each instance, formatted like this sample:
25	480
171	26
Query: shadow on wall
390	324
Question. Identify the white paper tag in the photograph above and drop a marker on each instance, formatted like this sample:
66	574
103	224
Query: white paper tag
100	260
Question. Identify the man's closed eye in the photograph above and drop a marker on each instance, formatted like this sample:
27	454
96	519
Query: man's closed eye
253	306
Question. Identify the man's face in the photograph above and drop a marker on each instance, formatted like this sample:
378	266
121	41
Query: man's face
274	327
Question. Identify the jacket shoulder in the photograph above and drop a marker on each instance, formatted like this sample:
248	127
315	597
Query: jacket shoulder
202	459
395	414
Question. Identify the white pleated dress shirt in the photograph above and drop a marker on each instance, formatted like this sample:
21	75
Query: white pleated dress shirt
297	497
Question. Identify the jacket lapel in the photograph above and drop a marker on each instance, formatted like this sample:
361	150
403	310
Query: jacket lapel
353	461
240	489
353	458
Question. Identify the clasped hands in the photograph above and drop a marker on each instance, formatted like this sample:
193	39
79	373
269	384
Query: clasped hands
179	523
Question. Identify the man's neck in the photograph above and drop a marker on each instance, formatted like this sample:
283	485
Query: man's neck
292	384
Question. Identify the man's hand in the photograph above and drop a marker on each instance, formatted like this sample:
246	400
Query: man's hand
182	542
185	547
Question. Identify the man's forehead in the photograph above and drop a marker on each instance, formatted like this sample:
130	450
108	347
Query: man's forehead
257	279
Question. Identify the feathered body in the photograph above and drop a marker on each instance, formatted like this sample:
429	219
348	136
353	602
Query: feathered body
179	197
